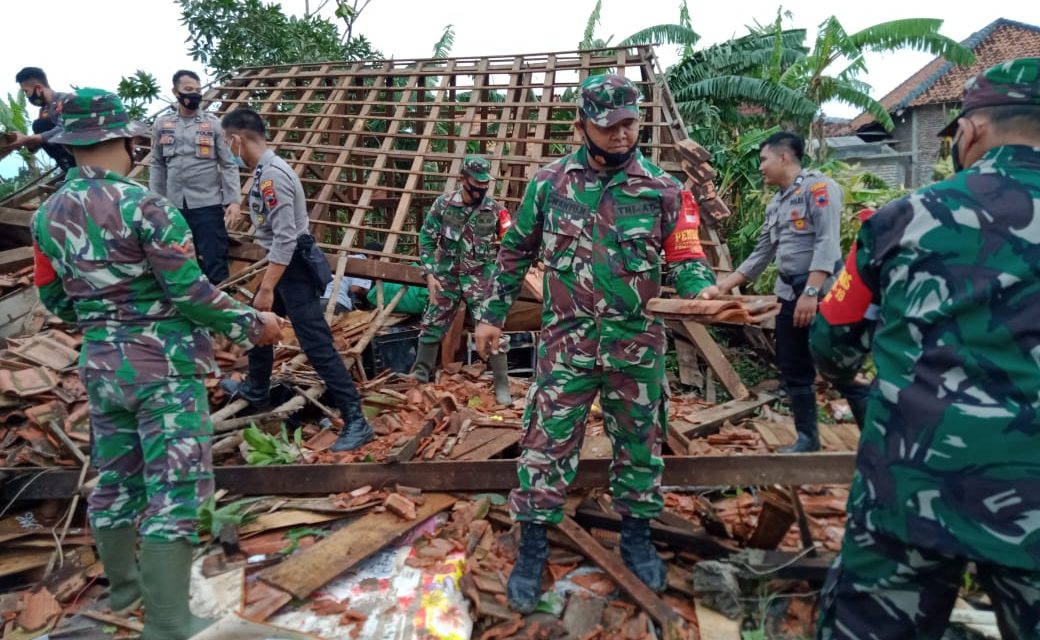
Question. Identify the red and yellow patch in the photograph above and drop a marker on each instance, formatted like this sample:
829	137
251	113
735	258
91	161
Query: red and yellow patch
684	242
848	300
819	194
504	222
268	193
799	224
44	273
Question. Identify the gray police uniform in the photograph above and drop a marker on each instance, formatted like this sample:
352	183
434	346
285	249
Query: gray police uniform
802	232
278	208
192	166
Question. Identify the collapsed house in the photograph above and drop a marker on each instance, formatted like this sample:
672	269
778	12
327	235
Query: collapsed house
374	143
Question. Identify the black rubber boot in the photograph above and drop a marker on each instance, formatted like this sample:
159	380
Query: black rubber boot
524	588
500	370
257	398
356	430
425	361
803	406
640	555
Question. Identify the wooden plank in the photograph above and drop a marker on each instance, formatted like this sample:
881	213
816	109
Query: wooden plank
708	421
686	354
21	560
672	625
493	447
303	573
714	356
473	440
480	475
14	259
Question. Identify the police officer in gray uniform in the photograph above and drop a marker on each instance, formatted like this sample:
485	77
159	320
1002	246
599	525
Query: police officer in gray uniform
278	208
193	168
801	231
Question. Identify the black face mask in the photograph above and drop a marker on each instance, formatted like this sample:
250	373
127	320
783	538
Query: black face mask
128	144
190	101
36	99
958	166
607	158
475	192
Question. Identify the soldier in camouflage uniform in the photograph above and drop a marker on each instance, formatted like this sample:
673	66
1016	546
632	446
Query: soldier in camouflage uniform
458	244
118	261
948	469
604	220
801	230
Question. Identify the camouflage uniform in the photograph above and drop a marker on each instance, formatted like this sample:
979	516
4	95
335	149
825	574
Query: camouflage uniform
458	244
604	239
118	261
948	469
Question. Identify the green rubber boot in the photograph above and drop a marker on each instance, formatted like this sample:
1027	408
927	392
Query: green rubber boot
165	578
500	370
425	361
118	551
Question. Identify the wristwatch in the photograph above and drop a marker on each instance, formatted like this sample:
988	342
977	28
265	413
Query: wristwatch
811	292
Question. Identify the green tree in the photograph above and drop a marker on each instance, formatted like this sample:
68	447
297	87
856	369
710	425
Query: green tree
229	34
14	118
815	75
137	92
442	48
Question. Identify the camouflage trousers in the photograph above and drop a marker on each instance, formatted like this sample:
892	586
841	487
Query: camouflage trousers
635	410
151	447
882	589
440	310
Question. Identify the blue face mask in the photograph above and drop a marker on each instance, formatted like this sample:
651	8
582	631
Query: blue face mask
237	159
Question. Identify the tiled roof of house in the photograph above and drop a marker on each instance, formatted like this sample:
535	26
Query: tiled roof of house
941	81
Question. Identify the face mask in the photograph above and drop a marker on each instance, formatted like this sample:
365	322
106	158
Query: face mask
476	192
190	101
128	144
958	166
235	157
36	98
604	157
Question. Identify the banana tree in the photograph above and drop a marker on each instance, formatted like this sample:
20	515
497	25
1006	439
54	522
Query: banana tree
814	75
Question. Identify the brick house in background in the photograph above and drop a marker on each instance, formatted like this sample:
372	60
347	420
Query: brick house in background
924	103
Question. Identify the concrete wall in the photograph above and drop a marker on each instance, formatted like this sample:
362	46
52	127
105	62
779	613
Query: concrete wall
916	132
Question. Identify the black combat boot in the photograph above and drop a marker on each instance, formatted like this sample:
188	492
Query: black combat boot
803	406
640	555
524	588
246	390
356	430
425	361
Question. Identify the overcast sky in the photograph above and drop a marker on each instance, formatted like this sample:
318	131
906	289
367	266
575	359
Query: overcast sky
95	43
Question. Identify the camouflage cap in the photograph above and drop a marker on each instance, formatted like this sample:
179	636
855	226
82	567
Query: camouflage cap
477	168
607	100
90	116
1008	83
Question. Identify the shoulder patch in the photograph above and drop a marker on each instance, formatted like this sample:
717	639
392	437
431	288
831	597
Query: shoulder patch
820	197
267	191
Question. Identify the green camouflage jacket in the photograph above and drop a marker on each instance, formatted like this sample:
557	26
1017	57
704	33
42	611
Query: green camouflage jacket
603	239
118	261
949	458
